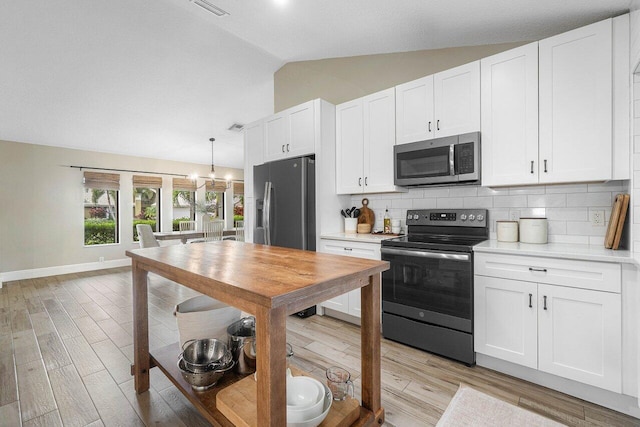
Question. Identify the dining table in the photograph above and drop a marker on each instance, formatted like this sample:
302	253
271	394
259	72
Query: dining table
186	235
270	283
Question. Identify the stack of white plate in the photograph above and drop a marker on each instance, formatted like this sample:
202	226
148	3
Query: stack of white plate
308	401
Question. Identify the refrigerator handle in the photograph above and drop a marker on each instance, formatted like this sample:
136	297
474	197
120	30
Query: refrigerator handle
266	213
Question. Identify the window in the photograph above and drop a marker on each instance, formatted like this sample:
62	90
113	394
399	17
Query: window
101	204
184	197
146	202
215	198
238	202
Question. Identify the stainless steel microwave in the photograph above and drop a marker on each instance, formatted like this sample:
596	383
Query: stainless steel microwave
448	160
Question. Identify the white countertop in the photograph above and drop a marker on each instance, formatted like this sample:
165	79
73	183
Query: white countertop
358	237
560	250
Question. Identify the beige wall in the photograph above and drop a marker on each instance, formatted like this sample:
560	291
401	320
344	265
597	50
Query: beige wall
41	211
342	79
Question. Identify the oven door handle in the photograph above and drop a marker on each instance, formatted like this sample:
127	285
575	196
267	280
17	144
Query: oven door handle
424	254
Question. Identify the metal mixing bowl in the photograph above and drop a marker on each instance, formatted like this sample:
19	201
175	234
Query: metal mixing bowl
203	380
205	355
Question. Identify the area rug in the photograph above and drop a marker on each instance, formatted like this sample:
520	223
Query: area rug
470	407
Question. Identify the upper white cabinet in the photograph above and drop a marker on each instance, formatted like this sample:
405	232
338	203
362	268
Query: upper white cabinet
576	105
509	126
557	111
290	133
443	104
365	136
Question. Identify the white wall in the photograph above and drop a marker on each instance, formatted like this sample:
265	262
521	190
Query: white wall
567	207
41	208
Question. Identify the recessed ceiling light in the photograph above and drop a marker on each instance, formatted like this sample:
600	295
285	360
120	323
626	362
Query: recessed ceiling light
281	2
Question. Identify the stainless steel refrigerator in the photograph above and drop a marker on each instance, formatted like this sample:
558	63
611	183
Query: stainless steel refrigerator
286	203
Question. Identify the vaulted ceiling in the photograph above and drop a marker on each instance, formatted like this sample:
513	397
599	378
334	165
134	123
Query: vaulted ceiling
158	78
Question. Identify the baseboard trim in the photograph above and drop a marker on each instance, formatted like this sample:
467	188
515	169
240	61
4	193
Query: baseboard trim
62	269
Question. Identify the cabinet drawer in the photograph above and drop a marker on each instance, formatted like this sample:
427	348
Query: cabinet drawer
600	276
353	249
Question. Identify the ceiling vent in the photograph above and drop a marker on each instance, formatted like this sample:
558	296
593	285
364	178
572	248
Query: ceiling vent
210	7
236	127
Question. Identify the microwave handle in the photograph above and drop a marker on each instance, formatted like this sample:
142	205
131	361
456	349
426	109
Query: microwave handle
452	169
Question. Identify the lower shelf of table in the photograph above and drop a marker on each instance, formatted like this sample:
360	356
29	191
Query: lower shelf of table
166	358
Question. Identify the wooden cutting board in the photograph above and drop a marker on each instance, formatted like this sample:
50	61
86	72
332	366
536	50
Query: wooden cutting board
366	215
238	403
613	221
620	225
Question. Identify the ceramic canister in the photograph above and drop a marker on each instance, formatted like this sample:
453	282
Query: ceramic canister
507	231
533	230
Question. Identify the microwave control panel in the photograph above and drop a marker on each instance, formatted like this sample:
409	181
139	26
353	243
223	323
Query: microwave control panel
465	162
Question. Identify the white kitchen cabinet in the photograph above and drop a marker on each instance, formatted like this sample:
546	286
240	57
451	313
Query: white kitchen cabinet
551	315
365	136
576	105
349	302
506	320
443	104
290	133
509	125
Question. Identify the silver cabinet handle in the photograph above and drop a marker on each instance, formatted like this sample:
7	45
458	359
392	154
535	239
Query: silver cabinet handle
541	270
429	126
425	254
283	148
545	165
452	164
287	148
531	166
348	249
360	182
530	302
365	181
545	301
438	124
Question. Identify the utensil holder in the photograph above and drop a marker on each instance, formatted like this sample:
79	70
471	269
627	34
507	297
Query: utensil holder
350	225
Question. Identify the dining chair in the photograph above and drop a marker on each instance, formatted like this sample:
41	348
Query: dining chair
146	237
212	230
187	226
240	231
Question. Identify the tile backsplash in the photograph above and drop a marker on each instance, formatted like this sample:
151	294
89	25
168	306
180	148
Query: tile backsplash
567	207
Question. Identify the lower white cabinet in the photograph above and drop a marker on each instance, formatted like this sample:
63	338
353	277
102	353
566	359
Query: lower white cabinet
348	303
567	331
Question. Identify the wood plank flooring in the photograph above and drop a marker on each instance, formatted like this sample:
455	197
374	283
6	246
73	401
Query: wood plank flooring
66	347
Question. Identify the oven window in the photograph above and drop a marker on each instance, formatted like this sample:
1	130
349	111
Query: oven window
436	285
423	163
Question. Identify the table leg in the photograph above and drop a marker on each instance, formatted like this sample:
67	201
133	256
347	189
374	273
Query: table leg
271	339
141	359
370	340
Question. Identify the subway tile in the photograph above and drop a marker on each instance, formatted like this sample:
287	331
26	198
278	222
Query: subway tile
402	204
589	199
537	189
596	240
509	201
478	202
636	107
566	188
636	245
557	227
636	178
607	186
636	158
463	191
547	200
635	195
436	192
450	203
636	147
488	191
413	193
426	203
533	212
584	228
568	214
636	216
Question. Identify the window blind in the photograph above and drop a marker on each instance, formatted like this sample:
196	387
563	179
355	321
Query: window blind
103	181
238	188
183	184
145	181
217	185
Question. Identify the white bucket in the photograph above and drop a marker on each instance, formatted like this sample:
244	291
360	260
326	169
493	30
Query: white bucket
203	317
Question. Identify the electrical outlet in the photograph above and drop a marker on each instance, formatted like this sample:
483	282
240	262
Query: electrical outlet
515	215
597	218
101	259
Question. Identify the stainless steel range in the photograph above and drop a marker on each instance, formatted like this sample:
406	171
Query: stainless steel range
427	294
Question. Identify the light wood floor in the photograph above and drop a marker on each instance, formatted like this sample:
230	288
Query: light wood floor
66	349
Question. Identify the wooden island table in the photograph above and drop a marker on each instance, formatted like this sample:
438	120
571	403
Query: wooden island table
269	282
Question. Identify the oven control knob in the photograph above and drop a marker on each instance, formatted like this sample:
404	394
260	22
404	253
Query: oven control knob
463	217
416	216
409	216
472	217
480	217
